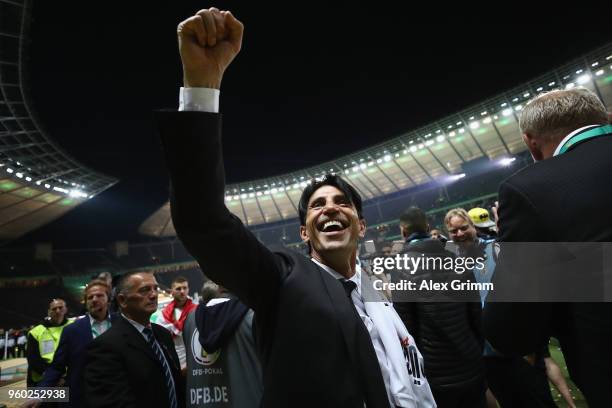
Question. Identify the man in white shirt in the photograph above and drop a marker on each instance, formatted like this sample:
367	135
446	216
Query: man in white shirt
324	341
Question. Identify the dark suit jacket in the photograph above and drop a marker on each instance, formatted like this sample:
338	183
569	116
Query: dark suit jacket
69	359
314	348
562	199
122	370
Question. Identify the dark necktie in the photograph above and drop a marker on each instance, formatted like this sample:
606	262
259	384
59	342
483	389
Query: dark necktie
165	367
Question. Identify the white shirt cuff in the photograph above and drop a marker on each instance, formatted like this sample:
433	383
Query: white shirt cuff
199	99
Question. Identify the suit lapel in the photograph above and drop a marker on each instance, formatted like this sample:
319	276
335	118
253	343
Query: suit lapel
135	339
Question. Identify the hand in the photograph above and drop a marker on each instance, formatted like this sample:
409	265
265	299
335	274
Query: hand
208	42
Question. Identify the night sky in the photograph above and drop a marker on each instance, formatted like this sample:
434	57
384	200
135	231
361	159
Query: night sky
311	84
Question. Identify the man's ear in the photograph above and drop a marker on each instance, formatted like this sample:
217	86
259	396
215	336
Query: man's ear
121	300
362	228
403	231
533	144
304	234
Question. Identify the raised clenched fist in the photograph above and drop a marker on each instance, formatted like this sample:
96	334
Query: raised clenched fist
208	42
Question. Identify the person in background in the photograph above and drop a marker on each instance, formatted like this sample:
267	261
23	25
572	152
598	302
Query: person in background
70	356
22	340
134	363
44	339
222	363
485	227
564	198
173	315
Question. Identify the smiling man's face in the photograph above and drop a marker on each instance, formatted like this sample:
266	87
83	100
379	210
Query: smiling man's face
332	225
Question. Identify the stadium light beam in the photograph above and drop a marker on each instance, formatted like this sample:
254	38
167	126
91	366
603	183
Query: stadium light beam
506	161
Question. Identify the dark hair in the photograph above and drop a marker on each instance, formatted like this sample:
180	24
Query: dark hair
178	279
329	180
122	286
414	219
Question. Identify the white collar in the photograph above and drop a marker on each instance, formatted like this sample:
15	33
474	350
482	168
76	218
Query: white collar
355	278
93	321
137	325
568	137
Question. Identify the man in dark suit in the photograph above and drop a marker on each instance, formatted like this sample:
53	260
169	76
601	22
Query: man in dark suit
69	358
449	333
134	363
321	342
565	197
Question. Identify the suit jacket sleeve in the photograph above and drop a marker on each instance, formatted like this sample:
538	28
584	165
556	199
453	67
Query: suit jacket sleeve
516	328
105	380
58	366
225	249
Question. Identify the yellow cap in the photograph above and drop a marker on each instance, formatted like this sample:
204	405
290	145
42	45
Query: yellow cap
480	217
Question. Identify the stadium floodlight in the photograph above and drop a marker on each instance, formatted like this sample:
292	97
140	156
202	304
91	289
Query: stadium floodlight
363	166
413	149
236	197
474	125
429	143
387	158
551	83
540	89
454	177
228	198
583	79
60	189
507	112
243	196
420	146
526	94
258	194
506	161
579	72
451	134
518	107
440	139
20	175
599	72
78	194
595	64
462	130
570	85
28	178
487	120
9	170
47	185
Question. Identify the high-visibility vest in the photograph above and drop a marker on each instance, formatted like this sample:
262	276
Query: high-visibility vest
48	340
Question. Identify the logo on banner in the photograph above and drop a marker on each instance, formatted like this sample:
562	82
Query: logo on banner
199	354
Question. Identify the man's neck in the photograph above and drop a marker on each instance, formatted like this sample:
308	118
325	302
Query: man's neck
99	317
143	320
340	264
178	304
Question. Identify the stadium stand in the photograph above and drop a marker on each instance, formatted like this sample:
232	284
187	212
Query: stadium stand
39	181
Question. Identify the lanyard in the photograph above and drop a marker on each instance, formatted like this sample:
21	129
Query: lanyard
592	133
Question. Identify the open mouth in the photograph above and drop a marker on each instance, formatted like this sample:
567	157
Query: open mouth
331	226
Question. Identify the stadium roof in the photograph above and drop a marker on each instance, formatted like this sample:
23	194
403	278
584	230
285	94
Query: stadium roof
38	180
437	150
